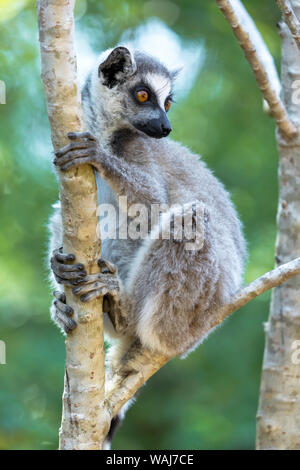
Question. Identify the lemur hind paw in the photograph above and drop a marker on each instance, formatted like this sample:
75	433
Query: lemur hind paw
99	284
90	286
62	313
64	272
186	223
82	150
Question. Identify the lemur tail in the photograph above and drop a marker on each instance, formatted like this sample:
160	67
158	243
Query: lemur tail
121	359
114	425
116	422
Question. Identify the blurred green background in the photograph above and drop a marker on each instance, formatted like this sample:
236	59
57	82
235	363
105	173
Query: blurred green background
209	400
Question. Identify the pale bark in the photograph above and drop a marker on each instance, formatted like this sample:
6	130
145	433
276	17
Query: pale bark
278	419
260	60
290	18
84	420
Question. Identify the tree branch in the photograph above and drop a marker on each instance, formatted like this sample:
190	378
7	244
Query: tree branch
290	19
260	60
124	386
271	279
128	379
84	421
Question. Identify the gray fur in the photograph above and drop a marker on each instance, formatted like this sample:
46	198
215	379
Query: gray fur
169	294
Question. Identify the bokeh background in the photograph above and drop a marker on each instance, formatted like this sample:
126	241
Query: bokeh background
209	400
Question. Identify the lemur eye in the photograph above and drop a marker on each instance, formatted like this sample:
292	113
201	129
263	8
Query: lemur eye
142	96
167	105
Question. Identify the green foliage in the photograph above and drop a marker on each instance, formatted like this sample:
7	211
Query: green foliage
208	401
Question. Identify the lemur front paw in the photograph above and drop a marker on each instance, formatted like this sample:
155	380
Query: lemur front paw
61	313
82	150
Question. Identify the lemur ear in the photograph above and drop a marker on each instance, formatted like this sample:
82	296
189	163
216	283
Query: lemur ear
175	73
118	66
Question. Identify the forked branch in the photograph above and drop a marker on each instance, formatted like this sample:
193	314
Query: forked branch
260	60
125	386
290	19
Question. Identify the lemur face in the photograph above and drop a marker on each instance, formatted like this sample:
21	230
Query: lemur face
138	90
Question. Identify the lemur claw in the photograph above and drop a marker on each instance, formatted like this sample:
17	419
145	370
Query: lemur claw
62	313
106	265
81	135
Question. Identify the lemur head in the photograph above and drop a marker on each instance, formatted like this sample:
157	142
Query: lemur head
132	90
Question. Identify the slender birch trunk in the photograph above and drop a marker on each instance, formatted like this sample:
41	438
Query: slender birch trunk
84	420
278	419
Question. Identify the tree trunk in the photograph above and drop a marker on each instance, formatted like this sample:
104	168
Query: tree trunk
85	421
278	419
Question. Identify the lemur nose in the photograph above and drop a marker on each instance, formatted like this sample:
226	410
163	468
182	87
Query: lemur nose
165	130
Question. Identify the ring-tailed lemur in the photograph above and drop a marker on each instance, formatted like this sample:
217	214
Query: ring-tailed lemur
155	290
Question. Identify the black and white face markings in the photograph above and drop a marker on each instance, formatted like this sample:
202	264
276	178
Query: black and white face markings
129	88
152	96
